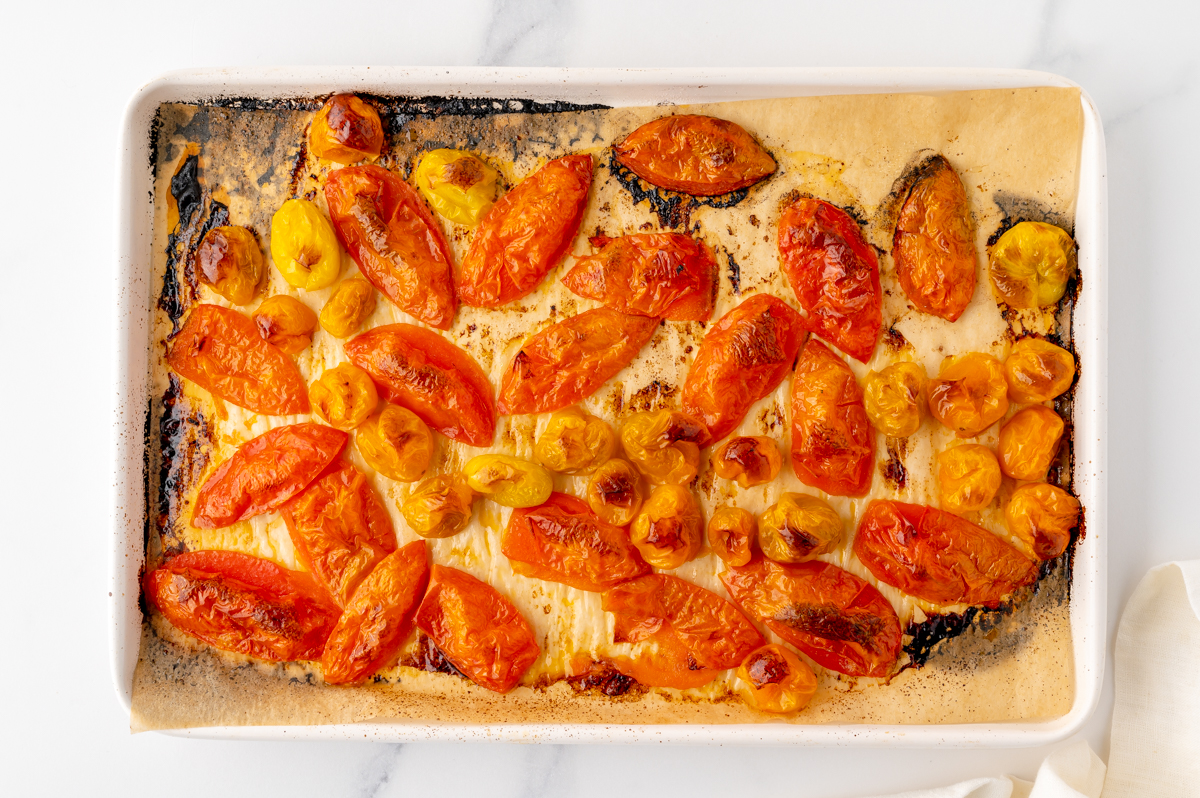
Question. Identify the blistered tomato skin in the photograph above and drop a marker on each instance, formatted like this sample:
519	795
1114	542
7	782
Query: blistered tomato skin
568	361
799	527
662	275
286	322
344	396
777	681
1031	265
575	442
970	393
664	445
698	155
230	262
615	492
459	186
395	443
934	245
304	246
939	557
1028	442
744	357
440	507
894	398
833	444
526	233
346	130
731	533
350	304
508	480
668	531
751	460
968	478
1038	371
1042	516
834	273
220	350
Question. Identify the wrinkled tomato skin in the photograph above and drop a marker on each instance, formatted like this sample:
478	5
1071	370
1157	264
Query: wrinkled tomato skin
526	233
664	275
378	618
742	358
478	630
564	541
669	665
833	616
835	275
340	529
570	360
418	369
244	604
833	442
698	155
937	556
385	226
265	472
220	350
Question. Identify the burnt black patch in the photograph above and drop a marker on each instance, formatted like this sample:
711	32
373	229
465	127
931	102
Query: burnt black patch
186	444
674	210
735	274
428	657
604	679
1017	209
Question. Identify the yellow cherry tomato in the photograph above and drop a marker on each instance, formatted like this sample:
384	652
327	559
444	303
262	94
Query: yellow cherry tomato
351	304
615	492
1031	264
731	532
230	261
799	527
440	507
894	398
304	246
1028	443
776	680
574	442
1038	371
509	480
669	530
1042	515
344	396
395	443
753	460
285	322
968	477
664	445
457	184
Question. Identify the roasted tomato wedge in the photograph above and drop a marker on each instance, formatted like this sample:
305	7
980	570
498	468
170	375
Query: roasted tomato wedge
526	233
378	618
665	275
420	370
937	556
742	358
563	541
220	350
477	629
385	226
265	472
833	616
245	604
833	444
568	361
934	245
697	155
340	530
834	273
666	663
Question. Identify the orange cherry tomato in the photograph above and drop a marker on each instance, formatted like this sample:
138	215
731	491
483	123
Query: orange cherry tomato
265	472
570	360
697	155
777	680
385	226
1038	371
477	629
934	245
833	443
1028	442
731	534
833	616
834	273
220	350
751	460
245	604
346	130
665	275
970	393
937	556
418	369
563	541
1042	516
742	358
526	233
378	618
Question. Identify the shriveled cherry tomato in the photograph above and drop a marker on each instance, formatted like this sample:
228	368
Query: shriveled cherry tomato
575	442
1031	264
286	322
1042	516
833	616
894	398
1028	443
385	226
731	534
799	527
344	396
477	629
749	460
968	478
664	445
526	233
742	358
835	275
245	604
220	350
346	130
937	556
615	492
508	480
440	507
265	472
420	370
230	261
777	680
460	186
668	530
348	308
969	394
570	360
1038	371
833	443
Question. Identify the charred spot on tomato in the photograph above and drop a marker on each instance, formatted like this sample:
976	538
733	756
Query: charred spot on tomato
185	443
756	344
893	469
798	539
832	623
766	667
603	679
426	656
617	488
180	283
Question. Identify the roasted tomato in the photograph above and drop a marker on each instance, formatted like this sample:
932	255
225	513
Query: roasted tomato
1042	516
833	444
751	461
697	155
526	233
1028	443
799	527
968	478
344	396
230	261
570	360
665	663
420	370
340	530
1031	264
346	130
574	442
509	480
731	533
244	604
457	184
378	618
742	358
220	350
265	472
835	275
664	445
833	616
395	443
615	492
286	322
563	541
398	246
777	680
1038	371
440	507
893	398
350	304
969	394
937	556
664	275
304	246
668	530
477	629
934	245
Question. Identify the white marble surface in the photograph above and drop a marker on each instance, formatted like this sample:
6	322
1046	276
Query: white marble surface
66	75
